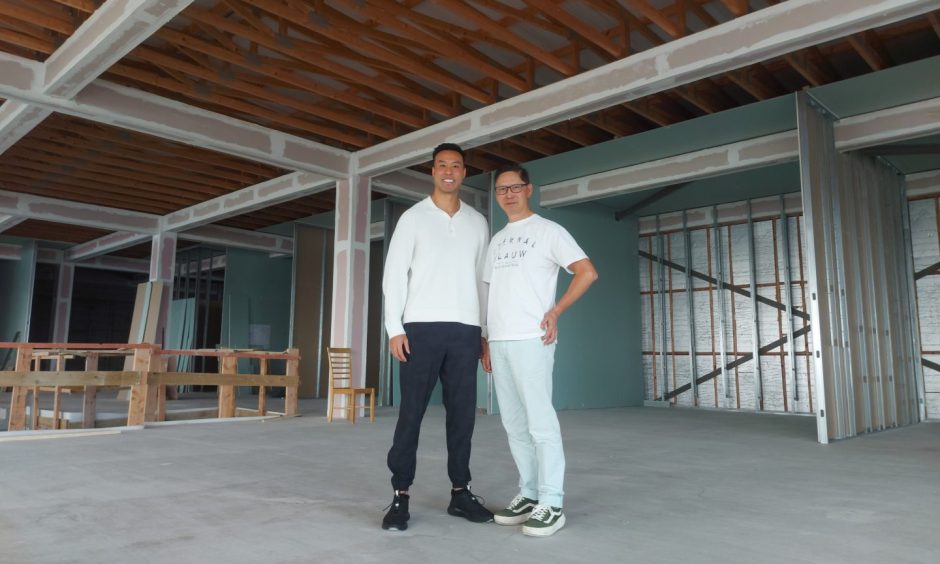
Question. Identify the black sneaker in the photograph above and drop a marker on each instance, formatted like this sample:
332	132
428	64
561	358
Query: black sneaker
465	504
397	516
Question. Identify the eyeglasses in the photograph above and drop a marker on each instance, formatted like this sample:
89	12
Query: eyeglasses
514	188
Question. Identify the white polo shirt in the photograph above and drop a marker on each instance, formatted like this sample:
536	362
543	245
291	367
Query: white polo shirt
434	267
522	271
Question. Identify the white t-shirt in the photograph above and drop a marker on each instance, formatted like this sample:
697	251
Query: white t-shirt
522	265
434	267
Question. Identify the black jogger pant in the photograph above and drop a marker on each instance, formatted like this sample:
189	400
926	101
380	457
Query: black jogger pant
449	351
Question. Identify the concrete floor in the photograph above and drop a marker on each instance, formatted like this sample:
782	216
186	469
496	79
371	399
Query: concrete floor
644	485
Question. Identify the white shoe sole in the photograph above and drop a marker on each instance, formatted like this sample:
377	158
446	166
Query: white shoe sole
516	520
546	531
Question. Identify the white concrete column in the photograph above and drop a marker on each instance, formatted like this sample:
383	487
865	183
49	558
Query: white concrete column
63	303
162	269
351	269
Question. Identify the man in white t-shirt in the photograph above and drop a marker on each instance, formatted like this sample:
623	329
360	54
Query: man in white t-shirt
434	308
521	269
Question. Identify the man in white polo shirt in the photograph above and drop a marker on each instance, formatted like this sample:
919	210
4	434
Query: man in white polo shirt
522	272
433	315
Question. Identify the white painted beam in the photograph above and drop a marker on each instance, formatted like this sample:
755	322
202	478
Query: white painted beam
121	264
111	32
415	186
8	221
262	195
240	239
74	213
756	37
192	267
104	245
406	184
753	153
891	125
923	184
10	252
116	105
736	212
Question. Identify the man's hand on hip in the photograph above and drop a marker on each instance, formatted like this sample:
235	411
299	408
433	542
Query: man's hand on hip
398	345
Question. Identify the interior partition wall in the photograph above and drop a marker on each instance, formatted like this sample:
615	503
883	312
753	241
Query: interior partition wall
723	285
720	287
924	206
860	283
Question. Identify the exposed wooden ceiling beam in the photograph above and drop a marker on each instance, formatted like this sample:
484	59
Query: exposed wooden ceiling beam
934	19
160	152
300	50
236	102
871	49
494	29
736	7
337	29
757	81
654	15
267	66
594	36
392	14
812	66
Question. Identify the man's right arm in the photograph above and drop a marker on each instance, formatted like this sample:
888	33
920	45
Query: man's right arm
395	286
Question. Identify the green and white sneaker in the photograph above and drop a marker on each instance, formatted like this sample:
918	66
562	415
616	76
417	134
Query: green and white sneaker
544	521
517	512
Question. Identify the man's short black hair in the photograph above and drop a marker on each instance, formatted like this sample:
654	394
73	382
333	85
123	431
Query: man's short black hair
513	167
447	147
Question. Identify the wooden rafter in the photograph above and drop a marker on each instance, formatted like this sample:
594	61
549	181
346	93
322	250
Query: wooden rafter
492	28
871	49
588	33
654	15
347	35
811	64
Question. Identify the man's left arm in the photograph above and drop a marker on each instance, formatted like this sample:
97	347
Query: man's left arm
584	275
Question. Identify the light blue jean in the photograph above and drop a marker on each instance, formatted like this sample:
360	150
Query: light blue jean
522	374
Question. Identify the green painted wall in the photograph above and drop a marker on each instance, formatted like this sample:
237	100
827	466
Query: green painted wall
598	356
257	292
16	290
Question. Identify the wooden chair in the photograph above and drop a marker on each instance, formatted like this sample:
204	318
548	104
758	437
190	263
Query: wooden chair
341	385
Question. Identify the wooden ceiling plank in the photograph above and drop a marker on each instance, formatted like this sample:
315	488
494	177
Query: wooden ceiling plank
806	63
645	9
737	8
391	13
44	46
300	19
757	81
25	182
237	104
264	36
494	29
527	15
35	16
164	153
267	67
594	36
934	19
105	181
869	47
117	175
86	6
135	164
615	127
